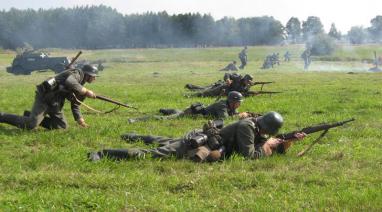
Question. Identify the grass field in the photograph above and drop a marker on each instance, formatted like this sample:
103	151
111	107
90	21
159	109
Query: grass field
48	170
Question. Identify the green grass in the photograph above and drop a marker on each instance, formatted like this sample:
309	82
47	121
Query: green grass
47	170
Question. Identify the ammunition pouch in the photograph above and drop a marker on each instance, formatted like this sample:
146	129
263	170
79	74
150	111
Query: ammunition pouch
214	140
208	136
198	108
198	140
48	85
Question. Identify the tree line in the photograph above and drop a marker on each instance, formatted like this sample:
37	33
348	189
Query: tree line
97	27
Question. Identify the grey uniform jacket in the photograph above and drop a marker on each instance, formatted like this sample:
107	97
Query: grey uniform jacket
243	137
68	83
219	110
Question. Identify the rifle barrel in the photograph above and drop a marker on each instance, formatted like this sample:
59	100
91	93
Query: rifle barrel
115	102
254	93
261	83
313	129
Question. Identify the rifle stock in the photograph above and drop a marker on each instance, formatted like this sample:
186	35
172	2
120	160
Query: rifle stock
312	129
106	99
74	60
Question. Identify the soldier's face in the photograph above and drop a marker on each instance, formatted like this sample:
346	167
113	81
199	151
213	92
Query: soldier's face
89	79
235	105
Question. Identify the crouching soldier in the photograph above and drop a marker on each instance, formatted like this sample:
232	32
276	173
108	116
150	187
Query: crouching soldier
230	67
248	137
50	98
218	110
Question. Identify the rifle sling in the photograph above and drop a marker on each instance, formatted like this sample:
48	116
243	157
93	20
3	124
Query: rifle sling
313	143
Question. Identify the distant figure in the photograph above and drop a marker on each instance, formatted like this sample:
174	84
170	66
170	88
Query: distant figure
230	67
275	59
243	57
287	56
306	57
267	62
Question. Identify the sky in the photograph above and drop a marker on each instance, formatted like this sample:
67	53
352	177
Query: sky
344	13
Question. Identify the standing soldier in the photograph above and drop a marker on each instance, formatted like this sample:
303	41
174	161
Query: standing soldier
243	57
50	98
287	56
248	137
306	57
218	110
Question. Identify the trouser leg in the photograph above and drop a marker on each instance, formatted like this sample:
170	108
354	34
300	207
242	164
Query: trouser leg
177	147
147	139
56	120
194	87
216	91
27	122
121	154
167	111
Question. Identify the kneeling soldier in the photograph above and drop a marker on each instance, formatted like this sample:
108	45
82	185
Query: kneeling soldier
50	98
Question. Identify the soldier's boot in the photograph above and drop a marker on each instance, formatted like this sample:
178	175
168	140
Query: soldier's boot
167	112
45	123
132	137
193	87
94	156
138	119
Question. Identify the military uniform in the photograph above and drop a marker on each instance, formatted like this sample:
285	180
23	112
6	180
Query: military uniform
217	110
198	87
287	56
243	58
242	137
306	57
48	104
230	67
179	147
237	84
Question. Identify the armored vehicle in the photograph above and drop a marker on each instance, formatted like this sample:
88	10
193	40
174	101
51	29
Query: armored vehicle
29	61
97	63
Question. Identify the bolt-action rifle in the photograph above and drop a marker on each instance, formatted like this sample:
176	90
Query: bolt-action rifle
260	83
255	93
308	130
107	99
73	60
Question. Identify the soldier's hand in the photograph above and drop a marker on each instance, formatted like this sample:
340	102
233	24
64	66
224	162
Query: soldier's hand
244	115
300	135
274	142
82	123
90	94
271	145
